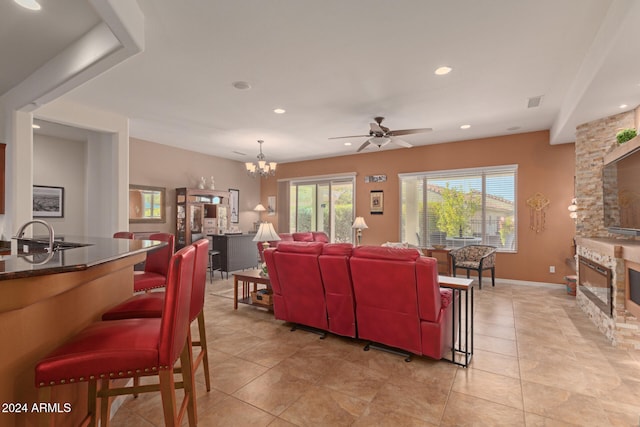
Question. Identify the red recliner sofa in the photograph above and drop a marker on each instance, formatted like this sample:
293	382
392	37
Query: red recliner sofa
338	288
308	236
399	302
311	283
296	281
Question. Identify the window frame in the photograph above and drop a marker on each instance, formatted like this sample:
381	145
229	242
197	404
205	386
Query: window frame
329	180
478	172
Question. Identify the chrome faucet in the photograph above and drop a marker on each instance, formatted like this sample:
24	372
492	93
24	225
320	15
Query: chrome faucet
20	232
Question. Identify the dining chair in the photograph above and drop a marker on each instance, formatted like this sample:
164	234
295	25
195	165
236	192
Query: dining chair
156	265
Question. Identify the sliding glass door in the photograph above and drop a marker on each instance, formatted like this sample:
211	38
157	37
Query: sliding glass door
323	205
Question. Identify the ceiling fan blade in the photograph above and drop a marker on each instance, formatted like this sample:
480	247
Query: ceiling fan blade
375	128
401	142
352	136
408	131
363	146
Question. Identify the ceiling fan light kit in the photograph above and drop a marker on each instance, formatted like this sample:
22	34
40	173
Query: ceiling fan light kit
261	167
380	135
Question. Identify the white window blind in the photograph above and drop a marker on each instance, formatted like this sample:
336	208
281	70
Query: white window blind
460	207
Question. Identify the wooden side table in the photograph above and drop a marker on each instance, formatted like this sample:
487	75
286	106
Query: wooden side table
443	257
248	278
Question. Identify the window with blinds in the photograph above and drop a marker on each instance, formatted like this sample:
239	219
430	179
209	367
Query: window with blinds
460	207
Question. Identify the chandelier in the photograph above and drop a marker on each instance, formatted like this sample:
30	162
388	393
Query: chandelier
261	167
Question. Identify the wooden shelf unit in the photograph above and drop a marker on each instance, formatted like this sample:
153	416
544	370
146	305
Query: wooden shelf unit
200	212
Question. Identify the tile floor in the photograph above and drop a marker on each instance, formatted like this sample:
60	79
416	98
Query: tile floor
538	362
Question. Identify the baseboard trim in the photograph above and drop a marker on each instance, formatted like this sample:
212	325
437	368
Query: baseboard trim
528	283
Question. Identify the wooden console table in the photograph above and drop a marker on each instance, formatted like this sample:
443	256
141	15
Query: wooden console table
461	355
443	257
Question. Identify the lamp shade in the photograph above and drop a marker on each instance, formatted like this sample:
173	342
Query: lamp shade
259	208
266	233
359	223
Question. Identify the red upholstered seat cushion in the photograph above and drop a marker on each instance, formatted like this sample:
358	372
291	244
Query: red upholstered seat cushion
338	249
303	237
301	247
143	280
381	252
320	236
118	349
285	237
148	305
446	297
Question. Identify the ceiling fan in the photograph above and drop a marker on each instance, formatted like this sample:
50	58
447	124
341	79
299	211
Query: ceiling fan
380	135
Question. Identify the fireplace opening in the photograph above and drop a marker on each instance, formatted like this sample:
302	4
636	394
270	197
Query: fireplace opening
594	281
632	291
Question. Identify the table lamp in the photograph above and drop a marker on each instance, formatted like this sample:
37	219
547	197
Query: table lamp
359	225
259	208
266	233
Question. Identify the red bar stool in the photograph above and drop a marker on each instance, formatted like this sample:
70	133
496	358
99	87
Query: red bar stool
156	265
123	235
149	305
131	348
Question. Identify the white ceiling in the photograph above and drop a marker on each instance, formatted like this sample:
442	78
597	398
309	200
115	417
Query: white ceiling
335	64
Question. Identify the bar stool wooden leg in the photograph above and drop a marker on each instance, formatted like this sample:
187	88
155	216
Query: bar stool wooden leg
44	395
188	379
92	405
167	392
105	403
203	351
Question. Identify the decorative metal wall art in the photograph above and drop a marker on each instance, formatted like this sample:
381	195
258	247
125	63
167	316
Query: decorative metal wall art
537	211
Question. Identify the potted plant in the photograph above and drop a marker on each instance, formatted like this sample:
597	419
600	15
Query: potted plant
625	135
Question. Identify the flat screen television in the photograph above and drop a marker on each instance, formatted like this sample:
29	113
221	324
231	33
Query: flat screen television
621	185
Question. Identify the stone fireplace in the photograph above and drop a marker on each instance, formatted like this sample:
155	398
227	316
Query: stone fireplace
594	281
602	256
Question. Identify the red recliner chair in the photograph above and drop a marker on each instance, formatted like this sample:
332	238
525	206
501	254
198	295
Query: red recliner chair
399	302
307	236
296	281
338	288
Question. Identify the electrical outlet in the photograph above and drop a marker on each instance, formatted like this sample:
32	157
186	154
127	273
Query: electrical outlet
552	269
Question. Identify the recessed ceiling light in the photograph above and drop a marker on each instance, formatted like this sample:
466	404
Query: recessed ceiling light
512	128
623	106
465	126
279	111
241	85
29	4
35	126
442	71
348	144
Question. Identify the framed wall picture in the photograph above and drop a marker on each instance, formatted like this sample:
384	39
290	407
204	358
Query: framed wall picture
48	202
271	206
377	202
234	201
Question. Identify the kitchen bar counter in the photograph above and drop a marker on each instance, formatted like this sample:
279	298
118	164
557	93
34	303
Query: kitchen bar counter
95	251
43	305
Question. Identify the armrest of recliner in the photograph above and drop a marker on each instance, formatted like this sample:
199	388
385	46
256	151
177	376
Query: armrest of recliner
429	296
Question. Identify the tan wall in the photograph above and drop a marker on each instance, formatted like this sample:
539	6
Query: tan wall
544	168
163	166
62	163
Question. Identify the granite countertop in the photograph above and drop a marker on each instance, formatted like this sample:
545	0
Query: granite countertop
97	250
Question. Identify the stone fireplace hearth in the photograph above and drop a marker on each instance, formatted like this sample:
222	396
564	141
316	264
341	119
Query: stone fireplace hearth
594	140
